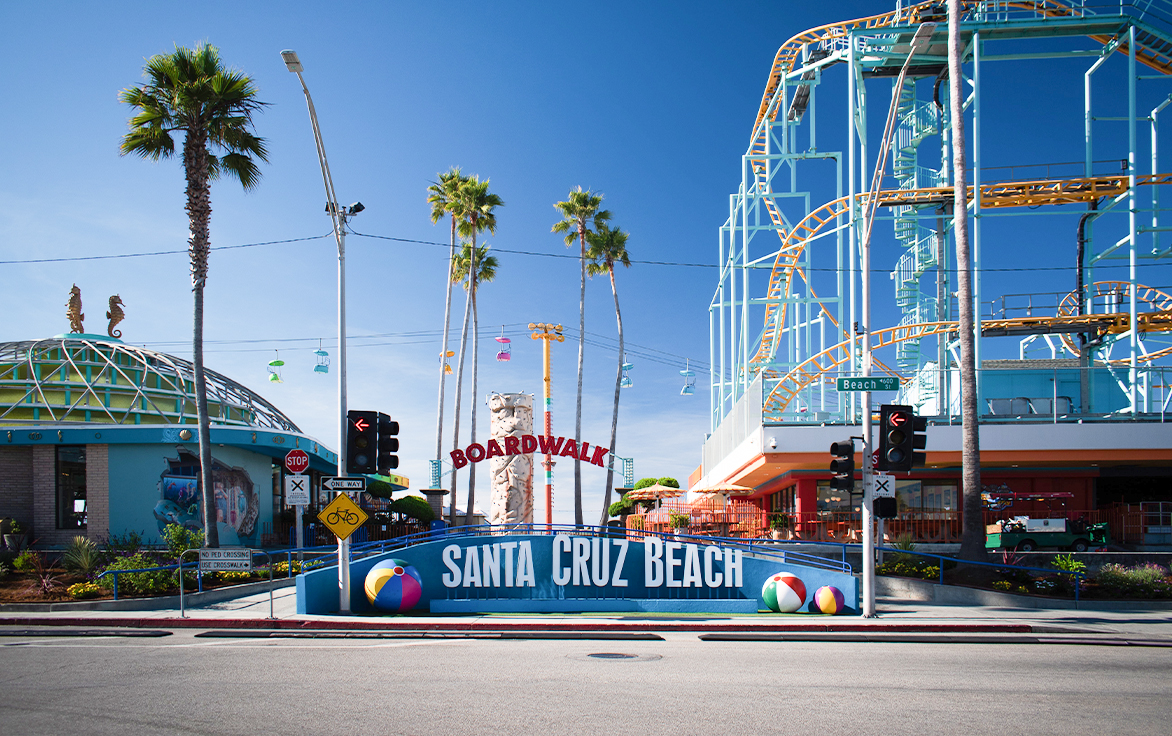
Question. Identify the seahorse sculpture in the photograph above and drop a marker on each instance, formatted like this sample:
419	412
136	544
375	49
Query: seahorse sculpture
115	315
73	310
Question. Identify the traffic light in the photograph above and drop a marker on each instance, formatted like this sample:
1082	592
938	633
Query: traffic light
901	433
885	507
843	466
388	444
361	441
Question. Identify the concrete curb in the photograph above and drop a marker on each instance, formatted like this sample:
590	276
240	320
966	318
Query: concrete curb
152	604
496	625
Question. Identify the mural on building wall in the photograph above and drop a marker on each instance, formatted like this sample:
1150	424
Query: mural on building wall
236	502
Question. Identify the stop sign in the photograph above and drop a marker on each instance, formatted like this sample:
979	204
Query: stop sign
297	461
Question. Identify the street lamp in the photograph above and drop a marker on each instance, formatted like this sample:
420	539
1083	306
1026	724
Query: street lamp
919	42
339	215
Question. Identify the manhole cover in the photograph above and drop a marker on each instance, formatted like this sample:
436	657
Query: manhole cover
615	657
612	655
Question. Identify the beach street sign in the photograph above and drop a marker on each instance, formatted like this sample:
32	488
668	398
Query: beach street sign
297	490
870	383
225	559
344	484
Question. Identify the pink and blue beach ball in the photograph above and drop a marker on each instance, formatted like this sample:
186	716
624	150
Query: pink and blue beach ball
783	592
394	586
828	599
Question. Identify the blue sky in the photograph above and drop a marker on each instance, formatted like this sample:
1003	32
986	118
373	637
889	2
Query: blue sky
649	103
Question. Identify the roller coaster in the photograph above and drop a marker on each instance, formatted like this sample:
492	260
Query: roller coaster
778	344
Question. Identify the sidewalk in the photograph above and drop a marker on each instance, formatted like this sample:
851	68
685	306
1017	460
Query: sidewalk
894	617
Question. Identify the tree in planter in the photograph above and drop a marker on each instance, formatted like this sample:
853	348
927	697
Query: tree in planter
191	91
679	521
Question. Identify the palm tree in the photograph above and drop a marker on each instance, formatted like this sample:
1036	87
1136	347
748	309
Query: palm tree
462	266
441	197
608	246
972	540
191	91
580	214
473	207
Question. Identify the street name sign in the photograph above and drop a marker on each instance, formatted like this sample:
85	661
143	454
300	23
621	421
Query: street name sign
297	490
342	516
342	483
869	383
225	559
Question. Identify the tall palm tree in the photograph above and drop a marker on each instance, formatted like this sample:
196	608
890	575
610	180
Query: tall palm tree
608	246
580	216
441	197
972	540
191	91
474	207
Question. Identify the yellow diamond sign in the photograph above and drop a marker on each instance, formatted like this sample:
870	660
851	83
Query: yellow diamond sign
342	516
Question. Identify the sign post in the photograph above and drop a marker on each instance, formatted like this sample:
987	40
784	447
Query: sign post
297	489
342	516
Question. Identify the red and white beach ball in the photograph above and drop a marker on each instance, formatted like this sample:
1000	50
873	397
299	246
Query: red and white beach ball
784	592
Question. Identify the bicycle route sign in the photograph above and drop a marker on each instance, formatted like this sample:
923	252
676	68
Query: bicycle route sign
342	516
342	483
869	383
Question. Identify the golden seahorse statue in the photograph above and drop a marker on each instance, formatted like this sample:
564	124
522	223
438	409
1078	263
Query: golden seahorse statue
115	315
73	310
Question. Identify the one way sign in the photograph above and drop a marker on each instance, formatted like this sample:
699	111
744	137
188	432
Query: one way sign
297	490
339	483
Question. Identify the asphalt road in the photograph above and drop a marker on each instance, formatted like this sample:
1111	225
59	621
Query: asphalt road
182	684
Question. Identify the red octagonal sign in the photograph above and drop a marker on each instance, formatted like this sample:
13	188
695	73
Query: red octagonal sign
297	461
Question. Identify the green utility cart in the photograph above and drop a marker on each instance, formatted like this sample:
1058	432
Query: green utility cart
1025	534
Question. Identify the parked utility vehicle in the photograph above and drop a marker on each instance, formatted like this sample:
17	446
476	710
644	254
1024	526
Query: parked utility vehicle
1025	534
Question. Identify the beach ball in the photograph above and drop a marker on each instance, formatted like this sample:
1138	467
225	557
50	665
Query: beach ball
784	592
393	585
828	599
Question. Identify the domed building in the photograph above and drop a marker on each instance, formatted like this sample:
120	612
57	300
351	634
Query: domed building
100	438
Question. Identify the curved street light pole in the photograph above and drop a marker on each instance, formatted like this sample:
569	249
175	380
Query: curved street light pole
338	216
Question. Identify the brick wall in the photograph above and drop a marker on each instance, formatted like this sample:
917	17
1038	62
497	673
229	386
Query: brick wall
97	491
16	483
45	532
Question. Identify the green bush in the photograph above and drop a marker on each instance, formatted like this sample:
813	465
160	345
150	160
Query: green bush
669	482
180	538
910	568
414	507
645	482
1144	581
679	521
82	556
26	561
1003	585
156	582
4	570
1067	563
622	506
127	543
81	591
778	521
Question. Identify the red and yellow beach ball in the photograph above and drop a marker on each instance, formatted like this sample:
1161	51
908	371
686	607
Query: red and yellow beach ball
394	586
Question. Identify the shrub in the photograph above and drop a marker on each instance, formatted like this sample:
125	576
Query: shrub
80	591
282	568
669	482
414	507
1067	563
778	521
1144	581
127	543
4	570
1003	585
156	582
237	576
679	521
910	568
622	506
26	561
180	538
82	556
645	482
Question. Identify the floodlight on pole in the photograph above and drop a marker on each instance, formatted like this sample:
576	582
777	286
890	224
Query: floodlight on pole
338	216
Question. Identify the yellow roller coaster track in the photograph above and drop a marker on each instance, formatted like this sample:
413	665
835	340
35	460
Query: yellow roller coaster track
1027	193
787	55
816	366
1161	300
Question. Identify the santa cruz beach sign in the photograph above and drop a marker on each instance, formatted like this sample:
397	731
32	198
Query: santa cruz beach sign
576	572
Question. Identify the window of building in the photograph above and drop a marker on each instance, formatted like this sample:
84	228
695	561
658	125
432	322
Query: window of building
832	499
783	501
926	496
71	499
